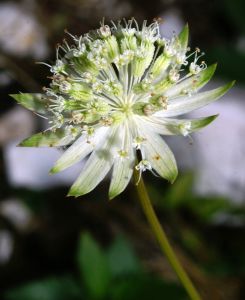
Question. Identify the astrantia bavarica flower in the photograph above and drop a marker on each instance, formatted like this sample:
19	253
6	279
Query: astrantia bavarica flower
113	93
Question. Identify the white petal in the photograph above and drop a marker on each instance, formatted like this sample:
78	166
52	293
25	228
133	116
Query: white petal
97	166
159	155
169	126
79	150
123	166
186	104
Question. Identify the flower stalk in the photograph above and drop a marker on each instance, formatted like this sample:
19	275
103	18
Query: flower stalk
162	239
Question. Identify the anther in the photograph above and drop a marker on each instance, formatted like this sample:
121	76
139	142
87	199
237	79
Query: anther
148	109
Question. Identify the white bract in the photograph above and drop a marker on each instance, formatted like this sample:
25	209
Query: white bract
113	93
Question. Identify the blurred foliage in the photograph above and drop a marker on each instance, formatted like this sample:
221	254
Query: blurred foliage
230	53
214	227
61	288
235	12
114	273
205	208
207	233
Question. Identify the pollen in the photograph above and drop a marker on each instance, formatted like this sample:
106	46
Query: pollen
157	157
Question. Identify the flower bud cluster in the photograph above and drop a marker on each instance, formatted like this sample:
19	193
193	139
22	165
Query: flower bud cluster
122	68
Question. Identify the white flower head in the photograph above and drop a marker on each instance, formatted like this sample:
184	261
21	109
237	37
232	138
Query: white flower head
113	94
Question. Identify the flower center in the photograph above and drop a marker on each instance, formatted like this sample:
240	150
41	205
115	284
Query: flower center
126	108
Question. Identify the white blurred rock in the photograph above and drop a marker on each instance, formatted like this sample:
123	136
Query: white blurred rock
172	22
29	167
16	123
229	220
20	32
5	78
6	246
16	212
217	153
241	44
222	148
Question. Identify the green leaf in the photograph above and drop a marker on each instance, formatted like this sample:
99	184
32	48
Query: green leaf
93	267
234	10
183	105
61	288
34	102
122	259
232	59
145	287
211	207
180	193
59	137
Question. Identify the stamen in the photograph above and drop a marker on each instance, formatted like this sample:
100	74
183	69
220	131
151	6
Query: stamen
142	166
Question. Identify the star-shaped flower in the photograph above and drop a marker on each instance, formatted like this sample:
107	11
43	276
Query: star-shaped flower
113	93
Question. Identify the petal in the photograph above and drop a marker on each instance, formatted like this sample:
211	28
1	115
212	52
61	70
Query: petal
168	126
59	137
123	166
33	102
159	155
79	150
186	104
160	65
97	166
195	82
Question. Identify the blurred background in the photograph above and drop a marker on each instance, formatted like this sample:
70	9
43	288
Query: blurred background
58	248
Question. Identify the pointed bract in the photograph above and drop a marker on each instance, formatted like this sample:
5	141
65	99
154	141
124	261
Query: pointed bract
49	138
34	102
170	126
183	105
184	36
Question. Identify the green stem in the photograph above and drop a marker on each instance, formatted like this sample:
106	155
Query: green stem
163	241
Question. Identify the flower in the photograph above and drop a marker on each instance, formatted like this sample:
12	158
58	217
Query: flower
113	94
